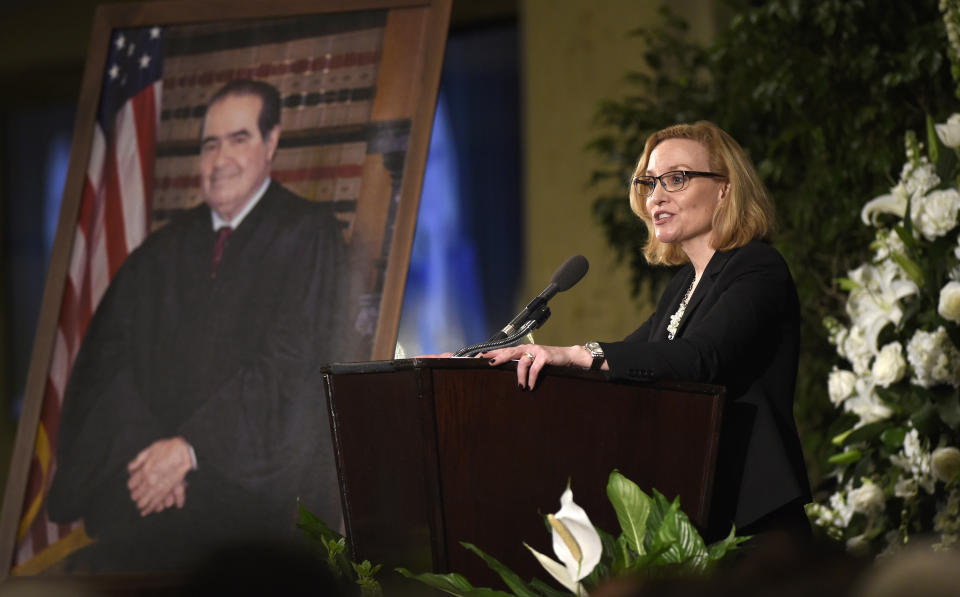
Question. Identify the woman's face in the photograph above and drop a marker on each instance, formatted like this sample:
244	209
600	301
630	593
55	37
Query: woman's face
683	216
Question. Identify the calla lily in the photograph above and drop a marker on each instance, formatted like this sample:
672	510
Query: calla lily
575	542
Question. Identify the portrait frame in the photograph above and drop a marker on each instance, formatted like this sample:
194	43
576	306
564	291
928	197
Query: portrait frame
381	230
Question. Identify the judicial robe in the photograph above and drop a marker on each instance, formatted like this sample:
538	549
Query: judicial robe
740	329
229	362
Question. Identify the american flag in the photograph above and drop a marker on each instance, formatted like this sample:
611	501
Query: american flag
114	218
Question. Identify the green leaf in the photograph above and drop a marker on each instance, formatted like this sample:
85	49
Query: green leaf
847	284
933	143
905	236
718	550
622	559
546	590
660	533
925	420
914	271
893	438
948	407
867	432
510	578
845	457
632	506
683	542
452	583
333	544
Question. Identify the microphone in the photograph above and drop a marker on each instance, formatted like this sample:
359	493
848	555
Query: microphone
569	273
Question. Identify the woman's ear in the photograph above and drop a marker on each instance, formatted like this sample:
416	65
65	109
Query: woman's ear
724	189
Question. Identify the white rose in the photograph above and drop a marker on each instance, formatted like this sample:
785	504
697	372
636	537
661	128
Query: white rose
935	214
935	360
949	131
920	177
840	385
949	307
867	499
945	463
889	366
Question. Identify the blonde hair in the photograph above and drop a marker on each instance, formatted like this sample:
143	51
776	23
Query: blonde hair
746	212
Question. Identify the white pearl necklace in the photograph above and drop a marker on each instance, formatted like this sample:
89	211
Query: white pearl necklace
676	317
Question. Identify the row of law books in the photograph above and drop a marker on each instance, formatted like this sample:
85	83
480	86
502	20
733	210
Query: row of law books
324	81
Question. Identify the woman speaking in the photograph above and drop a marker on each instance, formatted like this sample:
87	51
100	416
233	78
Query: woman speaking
730	316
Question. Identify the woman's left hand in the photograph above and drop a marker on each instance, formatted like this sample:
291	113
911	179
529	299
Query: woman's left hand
531	358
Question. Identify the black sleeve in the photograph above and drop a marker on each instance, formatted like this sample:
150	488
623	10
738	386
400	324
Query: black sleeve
741	311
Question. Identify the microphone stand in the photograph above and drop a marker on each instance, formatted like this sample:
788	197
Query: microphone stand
537	318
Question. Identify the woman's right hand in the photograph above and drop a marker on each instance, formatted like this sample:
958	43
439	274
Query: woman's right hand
531	358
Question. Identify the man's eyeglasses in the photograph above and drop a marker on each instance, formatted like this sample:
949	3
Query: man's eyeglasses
671	181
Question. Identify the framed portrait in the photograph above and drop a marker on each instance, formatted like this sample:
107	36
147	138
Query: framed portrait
187	293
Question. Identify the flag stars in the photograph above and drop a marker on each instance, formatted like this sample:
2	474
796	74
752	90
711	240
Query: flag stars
155	33
145	61
120	41
114	71
130	49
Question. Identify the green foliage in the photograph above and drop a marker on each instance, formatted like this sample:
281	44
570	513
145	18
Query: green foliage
657	538
331	546
819	94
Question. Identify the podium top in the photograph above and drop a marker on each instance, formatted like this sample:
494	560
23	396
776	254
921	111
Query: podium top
479	363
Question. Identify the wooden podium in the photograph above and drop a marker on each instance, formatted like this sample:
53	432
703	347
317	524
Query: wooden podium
431	452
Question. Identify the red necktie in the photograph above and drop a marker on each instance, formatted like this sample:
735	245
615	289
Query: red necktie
222	235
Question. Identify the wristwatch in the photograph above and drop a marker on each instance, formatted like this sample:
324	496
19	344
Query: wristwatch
597	353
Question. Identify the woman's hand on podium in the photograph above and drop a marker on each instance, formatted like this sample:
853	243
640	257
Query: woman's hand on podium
531	358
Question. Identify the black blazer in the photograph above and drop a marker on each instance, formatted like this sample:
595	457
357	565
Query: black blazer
741	329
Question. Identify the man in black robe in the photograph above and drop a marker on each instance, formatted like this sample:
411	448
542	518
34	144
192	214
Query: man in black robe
194	413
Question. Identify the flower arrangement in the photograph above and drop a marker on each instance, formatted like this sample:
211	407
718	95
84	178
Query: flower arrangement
898	465
657	537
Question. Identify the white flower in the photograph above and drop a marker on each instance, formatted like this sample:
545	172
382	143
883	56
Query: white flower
894	203
935	214
866	404
867	499
855	348
949	307
886	244
905	487
889	366
842	509
949	131
575	542
876	300
919	177
914	459
935	360
945	463
840	385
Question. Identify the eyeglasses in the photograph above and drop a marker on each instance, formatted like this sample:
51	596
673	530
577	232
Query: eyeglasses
671	181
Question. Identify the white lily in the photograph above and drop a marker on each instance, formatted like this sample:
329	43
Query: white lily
876	300
893	203
575	542
949	131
